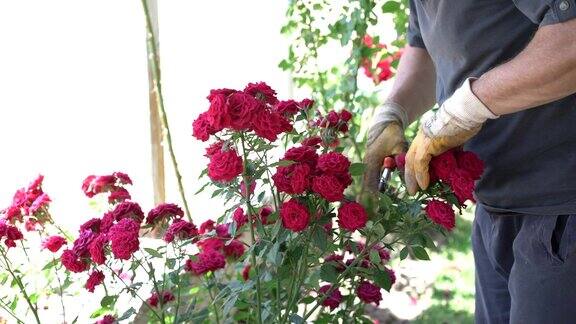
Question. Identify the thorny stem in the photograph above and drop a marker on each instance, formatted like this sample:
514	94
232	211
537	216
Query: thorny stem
251	225
213	304
60	292
154	60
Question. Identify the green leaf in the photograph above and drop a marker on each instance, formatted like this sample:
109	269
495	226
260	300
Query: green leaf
308	300
320	239
328	273
14	303
390	7
153	253
382	279
50	264
404	253
420	253
282	163
127	314
357	169
375	257
108	301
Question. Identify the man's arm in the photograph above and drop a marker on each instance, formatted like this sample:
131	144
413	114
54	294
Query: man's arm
415	84
543	72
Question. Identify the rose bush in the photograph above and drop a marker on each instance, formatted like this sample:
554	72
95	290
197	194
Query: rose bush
292	245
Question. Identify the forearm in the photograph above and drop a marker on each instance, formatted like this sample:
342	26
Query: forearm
543	72
415	84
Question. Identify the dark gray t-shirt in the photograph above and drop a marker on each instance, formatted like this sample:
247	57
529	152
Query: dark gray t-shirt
530	156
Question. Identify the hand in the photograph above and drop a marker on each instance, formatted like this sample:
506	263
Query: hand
457	120
385	138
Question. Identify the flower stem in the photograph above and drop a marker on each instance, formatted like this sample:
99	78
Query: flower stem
60	291
9	311
213	303
251	225
154	60
20	286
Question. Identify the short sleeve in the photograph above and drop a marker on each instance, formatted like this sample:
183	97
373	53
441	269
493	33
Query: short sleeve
547	12
414	36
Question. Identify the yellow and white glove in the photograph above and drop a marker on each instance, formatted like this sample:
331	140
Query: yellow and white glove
459	118
385	138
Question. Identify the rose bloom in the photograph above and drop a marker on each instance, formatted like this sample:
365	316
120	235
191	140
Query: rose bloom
82	243
164	211
302	154
293	179
234	249
328	187
262	91
265	212
294	215
41	201
462	185
443	165
312	141
107	319
333	163
244	192
470	162
201	127
95	279
209	260
54	243
216	116
206	227
352	216
441	213
369	293
400	160
124	238
180	229
97	248
211	243
72	262
246	272
214	148
164	298
119	195
287	107
345	115
269	125
92	224
225	166
128	209
332	301
239	217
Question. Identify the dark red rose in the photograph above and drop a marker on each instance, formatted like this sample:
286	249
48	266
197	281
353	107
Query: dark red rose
206	227
225	166
312	141
261	91
128	209
294	215
332	118
471	163
206	261
242	108
335	298
246	272
293	179
97	248
119	195
345	115
306	103
211	243
302	154
180	229
217	115
352	216
82	243
269	125
220	92
239	217
369	293
265	212
95	279
444	165
162	299
214	148
124	238
164	212
73	262
462	185
328	187
53	243
107	319
441	213
287	107
202	128
234	249
333	163
400	160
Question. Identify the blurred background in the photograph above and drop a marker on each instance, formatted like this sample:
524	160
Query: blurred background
74	90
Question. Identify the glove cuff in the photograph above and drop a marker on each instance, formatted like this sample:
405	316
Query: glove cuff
389	112
464	106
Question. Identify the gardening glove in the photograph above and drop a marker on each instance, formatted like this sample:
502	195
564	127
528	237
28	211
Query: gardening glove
459	118
385	138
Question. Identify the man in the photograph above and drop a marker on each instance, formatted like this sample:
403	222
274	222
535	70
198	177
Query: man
504	75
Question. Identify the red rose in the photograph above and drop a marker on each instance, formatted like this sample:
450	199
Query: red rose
53	243
72	262
333	163
287	107
306	103
384	70
119	195
332	301
244	192
391	275
441	213
345	115
265	212
352	216
225	166
107	222
241	109
164	211
462	185
269	125
128	209
95	278
220	92
400	160
293	179
332	118
234	249
82	243
470	162
246	272
107	319
164	298
97	248
337	261
223	230
214	148
206	227
302	154
369	293
211	243
261	91
217	115
312	141
294	215
208	260
328	187
443	165
180	229
239	217
41	201
124	238
202	128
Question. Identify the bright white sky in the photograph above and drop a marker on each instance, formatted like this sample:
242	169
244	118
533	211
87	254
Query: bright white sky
75	94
